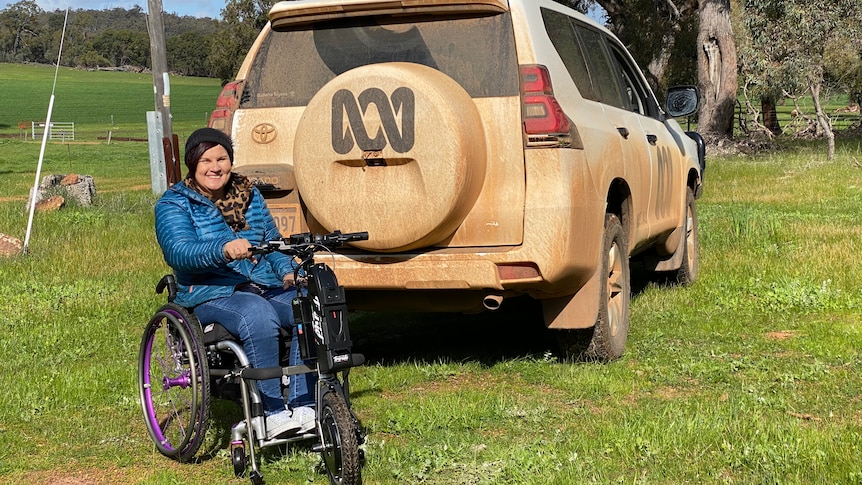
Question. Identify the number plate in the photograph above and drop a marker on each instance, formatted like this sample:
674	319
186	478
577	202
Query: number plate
287	218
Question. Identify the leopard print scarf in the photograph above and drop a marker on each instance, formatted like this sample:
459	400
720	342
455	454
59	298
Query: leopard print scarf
234	203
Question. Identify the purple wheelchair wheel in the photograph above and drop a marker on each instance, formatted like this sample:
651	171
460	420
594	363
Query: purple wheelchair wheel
173	378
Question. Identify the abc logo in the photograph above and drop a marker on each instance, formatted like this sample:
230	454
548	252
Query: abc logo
400	139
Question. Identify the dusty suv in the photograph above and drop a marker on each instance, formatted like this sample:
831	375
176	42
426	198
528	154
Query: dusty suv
490	148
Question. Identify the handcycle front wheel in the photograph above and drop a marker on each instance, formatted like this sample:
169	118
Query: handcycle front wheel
237	456
173	379
339	437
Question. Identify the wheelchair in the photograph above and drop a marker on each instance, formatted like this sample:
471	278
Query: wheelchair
182	367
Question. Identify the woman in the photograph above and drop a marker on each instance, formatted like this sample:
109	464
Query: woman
205	226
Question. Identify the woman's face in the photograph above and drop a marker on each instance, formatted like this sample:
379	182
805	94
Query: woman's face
213	172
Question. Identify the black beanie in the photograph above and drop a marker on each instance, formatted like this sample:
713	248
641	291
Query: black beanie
211	135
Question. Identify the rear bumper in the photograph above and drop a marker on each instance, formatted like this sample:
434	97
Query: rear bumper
563	226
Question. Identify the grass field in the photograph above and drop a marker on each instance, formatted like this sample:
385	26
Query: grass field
750	376
99	102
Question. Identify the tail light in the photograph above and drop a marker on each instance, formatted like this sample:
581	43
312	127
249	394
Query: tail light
545	123
226	103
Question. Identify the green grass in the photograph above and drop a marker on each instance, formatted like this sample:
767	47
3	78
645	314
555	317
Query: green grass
752	375
99	102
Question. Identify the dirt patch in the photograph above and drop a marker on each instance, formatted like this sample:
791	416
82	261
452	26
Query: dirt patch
456	381
69	477
781	335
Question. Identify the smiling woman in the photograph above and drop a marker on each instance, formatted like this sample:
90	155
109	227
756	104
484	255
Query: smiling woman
209	158
206	226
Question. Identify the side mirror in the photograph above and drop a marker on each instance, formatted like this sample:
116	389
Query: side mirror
682	101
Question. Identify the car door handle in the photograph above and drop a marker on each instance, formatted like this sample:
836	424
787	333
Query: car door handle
652	139
623	131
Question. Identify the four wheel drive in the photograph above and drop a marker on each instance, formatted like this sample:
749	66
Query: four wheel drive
490	148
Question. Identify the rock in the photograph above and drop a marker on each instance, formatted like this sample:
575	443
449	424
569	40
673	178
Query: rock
10	246
81	188
51	203
70	179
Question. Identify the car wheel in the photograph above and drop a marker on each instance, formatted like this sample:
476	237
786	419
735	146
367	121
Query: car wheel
606	340
687	272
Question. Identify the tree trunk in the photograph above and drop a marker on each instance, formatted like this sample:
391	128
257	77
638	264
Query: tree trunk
656	68
770	116
716	68
822	119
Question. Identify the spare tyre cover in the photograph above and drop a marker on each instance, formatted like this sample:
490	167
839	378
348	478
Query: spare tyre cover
395	149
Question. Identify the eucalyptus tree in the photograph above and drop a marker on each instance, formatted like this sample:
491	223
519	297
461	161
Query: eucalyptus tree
184	54
19	26
681	42
790	43
242	20
717	69
123	47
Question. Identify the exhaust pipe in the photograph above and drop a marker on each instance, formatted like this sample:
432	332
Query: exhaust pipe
492	301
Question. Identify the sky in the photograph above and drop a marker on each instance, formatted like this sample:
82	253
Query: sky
194	8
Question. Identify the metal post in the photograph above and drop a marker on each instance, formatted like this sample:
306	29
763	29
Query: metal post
158	177
162	89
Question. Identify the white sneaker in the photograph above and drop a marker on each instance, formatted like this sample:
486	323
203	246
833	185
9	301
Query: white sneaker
281	423
306	417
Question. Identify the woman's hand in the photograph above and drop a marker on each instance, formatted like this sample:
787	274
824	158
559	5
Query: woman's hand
237	249
288	281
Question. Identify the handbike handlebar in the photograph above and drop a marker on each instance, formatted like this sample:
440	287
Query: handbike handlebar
307	243
331	240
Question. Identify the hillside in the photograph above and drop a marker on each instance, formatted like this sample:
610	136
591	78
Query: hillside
103	38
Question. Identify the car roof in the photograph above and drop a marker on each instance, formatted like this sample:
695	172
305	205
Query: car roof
290	13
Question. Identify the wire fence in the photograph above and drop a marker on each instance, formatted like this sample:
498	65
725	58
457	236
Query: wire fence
799	118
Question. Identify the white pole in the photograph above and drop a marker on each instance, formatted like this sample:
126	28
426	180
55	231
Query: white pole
44	142
35	191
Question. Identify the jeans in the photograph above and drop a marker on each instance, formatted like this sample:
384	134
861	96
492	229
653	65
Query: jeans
255	320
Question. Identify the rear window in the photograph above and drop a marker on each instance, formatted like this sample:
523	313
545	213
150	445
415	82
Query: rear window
562	34
291	66
602	72
583	52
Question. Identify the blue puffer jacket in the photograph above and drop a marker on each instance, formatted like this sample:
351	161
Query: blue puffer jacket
192	233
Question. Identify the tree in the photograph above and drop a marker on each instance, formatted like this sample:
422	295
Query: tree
716	68
242	21
79	35
660	34
93	37
123	47
843	64
184	54
788	48
20	25
679	41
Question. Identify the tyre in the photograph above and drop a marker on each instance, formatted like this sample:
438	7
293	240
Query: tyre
414	182
173	379
237	456
687	272
340	440
606	340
